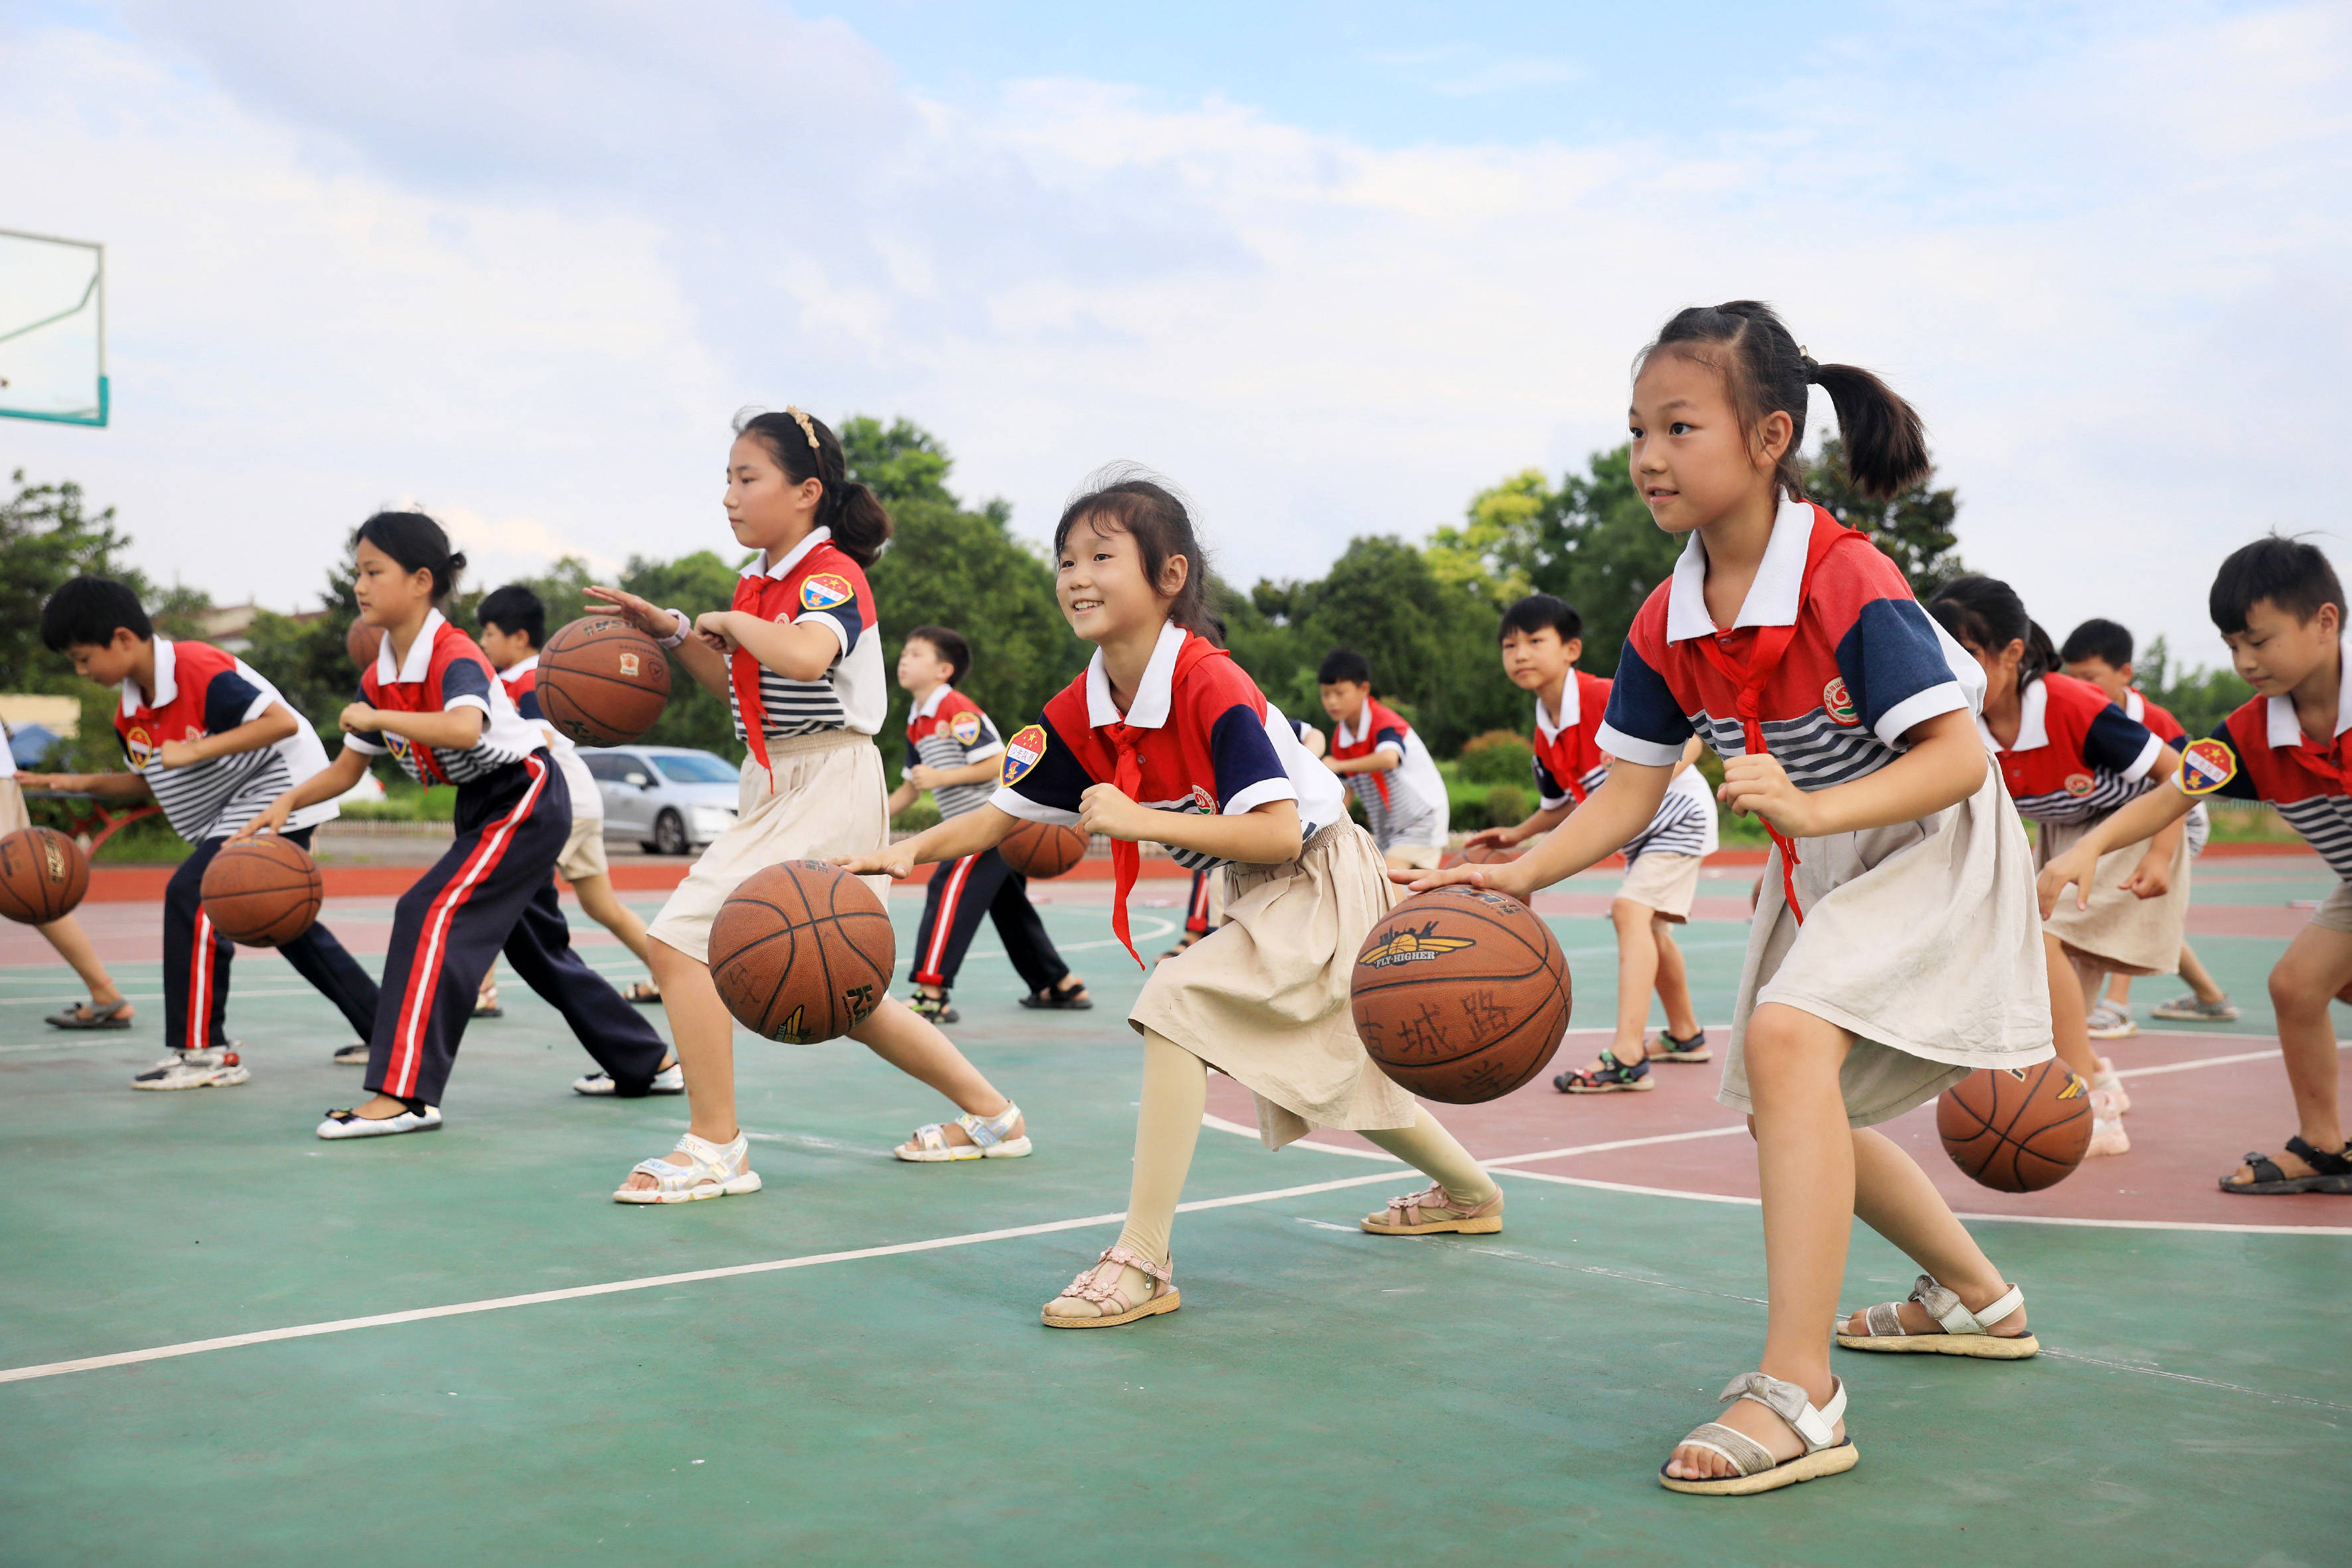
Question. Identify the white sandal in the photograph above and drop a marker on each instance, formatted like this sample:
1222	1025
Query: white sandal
987	1134
1824	1454
709	1171
1965	1332
1116	1308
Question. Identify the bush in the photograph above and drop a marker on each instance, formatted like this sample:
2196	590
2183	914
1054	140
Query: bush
1496	757
1508	805
924	812
404	800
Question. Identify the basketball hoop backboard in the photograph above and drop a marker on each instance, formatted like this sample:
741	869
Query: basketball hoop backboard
52	329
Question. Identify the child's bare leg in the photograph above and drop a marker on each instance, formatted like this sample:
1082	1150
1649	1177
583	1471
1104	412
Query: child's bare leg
915	1047
1804	1161
2069	1019
1637	974
73	945
1430	1148
1674	982
1167	1126
602	905
703	1038
2201	979
1893	1196
2316	965
2118	992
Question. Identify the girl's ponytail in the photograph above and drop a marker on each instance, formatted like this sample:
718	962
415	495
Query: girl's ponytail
805	448
2041	656
1985	613
1885	444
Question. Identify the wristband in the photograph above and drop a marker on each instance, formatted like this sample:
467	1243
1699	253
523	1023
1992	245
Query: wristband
685	629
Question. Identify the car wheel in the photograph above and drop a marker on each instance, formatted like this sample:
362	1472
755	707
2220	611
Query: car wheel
669	835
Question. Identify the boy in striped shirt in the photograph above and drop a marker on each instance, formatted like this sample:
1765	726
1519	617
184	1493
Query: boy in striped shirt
955	752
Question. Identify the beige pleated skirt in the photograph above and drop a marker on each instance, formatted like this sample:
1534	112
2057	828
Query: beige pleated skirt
2122	930
1263	997
1921	939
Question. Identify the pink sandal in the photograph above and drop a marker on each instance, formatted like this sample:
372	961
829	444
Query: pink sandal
1430	1212
1116	1308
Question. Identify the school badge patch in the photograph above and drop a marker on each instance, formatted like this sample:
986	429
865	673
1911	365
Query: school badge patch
825	591
1839	702
140	745
2205	766
2080	785
965	728
1022	753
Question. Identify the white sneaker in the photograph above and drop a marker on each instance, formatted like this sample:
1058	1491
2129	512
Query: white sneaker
671	1079
2109	1079
2108	1135
347	1124
2109	1022
354	1055
194	1070
2189	1010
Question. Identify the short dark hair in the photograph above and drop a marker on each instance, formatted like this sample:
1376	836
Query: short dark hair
2291	574
85	611
417	543
1125	499
514	608
2107	641
1344	664
1985	613
950	644
1537	611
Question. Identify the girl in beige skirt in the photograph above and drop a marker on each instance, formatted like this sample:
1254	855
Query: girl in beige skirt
799	658
2069	758
1165	739
1895	948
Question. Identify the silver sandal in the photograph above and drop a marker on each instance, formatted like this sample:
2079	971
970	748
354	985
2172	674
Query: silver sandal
1965	1332
987	1134
1824	1454
709	1170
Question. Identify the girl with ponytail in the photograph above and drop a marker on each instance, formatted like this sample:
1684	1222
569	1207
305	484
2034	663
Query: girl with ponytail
798	656
1893	950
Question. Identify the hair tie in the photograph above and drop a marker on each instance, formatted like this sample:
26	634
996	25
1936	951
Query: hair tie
1812	370
807	429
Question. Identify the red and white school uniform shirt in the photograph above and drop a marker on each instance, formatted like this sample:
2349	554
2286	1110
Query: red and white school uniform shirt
816	581
1206	739
2172	732
947	729
2260	753
1863	663
2076	756
445	670
202	690
522	681
1402	805
1570	764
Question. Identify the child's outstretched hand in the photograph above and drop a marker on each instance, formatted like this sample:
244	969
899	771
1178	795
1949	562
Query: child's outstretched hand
2074	867
1496	838
1504	877
643	614
1757	784
271	818
894	863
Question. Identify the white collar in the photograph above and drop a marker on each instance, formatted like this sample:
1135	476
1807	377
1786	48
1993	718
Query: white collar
793	557
420	654
1149	709
1771	598
930	705
1571	708
517	671
2285	729
2033	721
167	685
1340	732
2135	706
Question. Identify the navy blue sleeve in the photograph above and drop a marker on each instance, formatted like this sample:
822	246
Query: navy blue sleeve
2116	740
913	756
2242	783
528	705
1303	729
1889	657
1242	754
1548	788
227	700
1054	778
1642	710
464	677
1389	735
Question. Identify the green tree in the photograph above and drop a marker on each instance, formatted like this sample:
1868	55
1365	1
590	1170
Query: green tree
693	584
2199	698
1914	529
47	535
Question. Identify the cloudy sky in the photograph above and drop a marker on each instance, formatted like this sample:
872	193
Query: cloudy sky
1332	266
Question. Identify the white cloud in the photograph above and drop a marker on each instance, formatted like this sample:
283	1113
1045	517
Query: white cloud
526	262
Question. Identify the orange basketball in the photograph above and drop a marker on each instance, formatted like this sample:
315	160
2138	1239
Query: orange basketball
42	875
601	681
1491	854
1040	850
262	892
2017	1130
802	952
1461	994
362	642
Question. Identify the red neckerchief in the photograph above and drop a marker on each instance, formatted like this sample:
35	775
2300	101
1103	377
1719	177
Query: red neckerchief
1574	782
2326	761
1763	659
1364	745
744	670
1116	748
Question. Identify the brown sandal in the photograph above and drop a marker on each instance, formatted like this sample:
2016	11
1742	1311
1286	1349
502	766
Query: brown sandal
1116	1307
1429	1212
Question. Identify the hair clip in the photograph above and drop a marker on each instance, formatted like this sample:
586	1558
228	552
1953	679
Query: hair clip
807	429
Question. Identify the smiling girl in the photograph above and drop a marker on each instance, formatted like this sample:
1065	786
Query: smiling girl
432	702
1894	949
1164	738
799	658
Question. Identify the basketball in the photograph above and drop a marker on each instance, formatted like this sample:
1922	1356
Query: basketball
362	642
1491	854
2017	1130
1042	849
42	875
1460	994
262	892
802	952
601	681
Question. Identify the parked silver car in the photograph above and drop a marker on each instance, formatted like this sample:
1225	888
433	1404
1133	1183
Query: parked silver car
668	799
